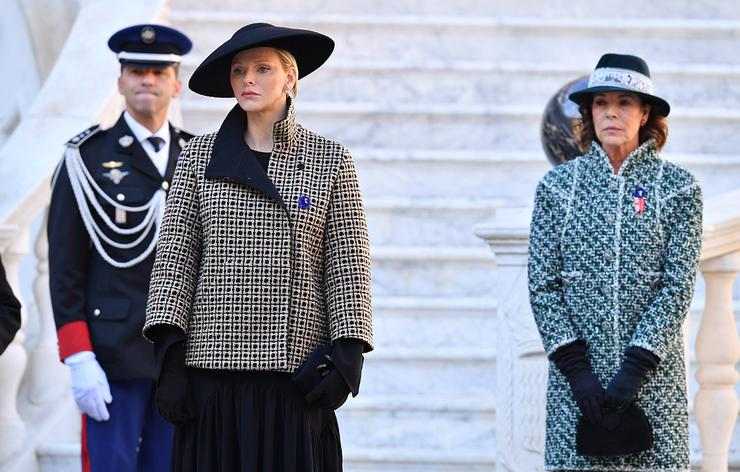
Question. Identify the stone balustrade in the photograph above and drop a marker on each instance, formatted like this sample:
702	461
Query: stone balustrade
522	375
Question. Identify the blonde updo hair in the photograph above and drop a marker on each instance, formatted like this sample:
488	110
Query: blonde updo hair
289	66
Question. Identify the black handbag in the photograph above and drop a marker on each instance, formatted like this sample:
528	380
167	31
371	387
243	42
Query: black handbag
623	431
313	370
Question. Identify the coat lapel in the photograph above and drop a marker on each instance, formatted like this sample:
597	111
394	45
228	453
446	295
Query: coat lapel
233	161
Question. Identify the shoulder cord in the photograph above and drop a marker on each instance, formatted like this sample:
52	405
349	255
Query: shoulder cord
81	180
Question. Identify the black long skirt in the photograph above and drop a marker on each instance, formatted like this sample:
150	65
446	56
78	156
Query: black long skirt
254	422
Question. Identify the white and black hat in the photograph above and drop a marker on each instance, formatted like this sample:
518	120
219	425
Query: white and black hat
616	72
149	45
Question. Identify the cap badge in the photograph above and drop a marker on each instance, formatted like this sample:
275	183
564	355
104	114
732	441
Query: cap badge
112	164
116	175
148	35
126	141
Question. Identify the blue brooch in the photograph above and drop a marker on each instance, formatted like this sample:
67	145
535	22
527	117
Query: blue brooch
304	202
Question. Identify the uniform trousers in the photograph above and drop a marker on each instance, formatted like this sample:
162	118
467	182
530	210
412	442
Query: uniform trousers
135	439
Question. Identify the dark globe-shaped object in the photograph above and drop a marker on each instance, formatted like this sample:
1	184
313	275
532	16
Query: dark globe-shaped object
558	138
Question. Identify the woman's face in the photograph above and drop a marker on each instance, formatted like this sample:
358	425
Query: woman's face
259	80
617	119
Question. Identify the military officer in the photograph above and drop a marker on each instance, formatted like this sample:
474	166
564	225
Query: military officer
107	202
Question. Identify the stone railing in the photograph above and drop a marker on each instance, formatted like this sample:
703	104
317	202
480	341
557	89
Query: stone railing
522	367
79	90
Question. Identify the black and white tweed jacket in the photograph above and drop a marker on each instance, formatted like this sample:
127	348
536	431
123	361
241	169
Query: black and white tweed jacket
258	269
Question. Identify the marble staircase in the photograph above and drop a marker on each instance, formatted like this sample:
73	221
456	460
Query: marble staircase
440	103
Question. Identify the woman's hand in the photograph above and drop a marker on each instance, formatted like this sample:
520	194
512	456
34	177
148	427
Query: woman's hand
626	384
587	391
330	393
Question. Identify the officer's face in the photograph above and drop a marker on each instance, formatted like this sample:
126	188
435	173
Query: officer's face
147	90
259	80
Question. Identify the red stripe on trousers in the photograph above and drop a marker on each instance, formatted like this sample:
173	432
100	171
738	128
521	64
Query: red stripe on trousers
85	455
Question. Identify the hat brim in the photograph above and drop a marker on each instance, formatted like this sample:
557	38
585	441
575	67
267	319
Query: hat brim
310	49
660	106
147	64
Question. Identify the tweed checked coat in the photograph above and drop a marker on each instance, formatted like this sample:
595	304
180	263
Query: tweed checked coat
260	269
613	260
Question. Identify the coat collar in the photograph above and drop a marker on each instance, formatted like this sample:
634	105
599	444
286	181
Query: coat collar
646	151
233	161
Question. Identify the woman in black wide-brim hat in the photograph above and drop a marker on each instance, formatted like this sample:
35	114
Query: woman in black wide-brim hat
614	248
259	301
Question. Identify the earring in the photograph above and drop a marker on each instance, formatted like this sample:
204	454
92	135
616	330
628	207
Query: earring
289	93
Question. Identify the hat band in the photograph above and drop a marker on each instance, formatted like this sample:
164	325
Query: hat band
622	78
148	57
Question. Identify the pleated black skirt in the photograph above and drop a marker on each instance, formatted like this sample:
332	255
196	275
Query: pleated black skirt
254	422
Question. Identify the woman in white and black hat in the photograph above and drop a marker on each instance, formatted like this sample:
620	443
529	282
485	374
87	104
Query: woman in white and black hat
614	249
261	284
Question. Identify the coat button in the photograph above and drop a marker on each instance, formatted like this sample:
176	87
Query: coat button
96	312
301	166
165	185
120	197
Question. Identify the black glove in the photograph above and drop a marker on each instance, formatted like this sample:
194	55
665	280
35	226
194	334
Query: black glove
330	393
625	385
342	375
172	395
572	362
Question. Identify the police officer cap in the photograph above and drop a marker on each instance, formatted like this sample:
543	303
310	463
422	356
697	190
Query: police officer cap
150	45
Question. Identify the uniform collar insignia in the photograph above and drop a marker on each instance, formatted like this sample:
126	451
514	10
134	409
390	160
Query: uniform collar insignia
112	164
126	141
116	175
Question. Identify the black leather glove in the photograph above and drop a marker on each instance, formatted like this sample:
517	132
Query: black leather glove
330	393
636	366
172	395
342	375
572	361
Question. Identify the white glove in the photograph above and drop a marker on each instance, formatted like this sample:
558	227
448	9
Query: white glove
89	385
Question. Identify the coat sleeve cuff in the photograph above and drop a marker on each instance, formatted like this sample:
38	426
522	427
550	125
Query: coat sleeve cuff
347	358
73	337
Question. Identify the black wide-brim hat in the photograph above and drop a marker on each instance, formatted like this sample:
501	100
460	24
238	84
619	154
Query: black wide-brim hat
310	49
622	72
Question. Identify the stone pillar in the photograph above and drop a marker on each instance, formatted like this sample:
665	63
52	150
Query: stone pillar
521	365
717	350
48	377
13	246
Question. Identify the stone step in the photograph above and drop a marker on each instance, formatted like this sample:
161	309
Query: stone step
427	221
494	175
421	370
495	83
462	424
569	9
416	460
432	271
444	323
529	39
464	128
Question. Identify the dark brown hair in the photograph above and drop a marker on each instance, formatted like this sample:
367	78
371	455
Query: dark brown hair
656	127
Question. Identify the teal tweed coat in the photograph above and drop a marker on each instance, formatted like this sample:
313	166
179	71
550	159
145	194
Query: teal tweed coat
613	260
